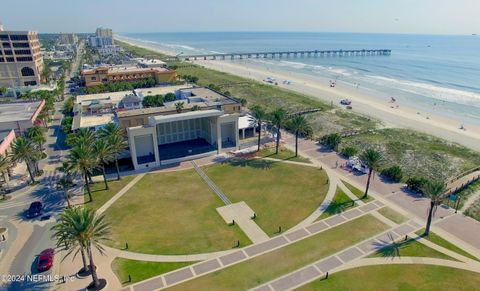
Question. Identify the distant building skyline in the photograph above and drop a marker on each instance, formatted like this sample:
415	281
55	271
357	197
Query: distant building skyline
368	16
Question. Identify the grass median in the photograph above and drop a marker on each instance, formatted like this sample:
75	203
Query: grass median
271	265
101	196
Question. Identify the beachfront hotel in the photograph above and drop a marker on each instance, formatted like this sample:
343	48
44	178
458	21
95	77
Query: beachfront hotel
208	123
21	62
104	75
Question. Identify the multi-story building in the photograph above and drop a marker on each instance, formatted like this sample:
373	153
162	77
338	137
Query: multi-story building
21	62
103	38
208	123
103	75
68	38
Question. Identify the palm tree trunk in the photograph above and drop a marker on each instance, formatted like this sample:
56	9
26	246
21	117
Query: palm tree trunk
84	260
65	192
30	172
259	134
368	183
296	144
278	140
430	216
118	169
104	176
93	270
88	187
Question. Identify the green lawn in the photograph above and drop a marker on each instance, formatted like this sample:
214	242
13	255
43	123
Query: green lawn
271	265
341	202
398	277
141	270
100	195
357	192
283	154
171	213
436	239
280	194
392	215
409	248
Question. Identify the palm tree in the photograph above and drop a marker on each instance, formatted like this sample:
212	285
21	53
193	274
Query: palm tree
23	150
371	158
36	134
435	190
81	230
5	165
259	114
82	159
179	106
104	153
300	126
278	117
115	138
65	183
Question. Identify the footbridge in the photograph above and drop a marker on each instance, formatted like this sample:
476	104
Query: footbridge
285	54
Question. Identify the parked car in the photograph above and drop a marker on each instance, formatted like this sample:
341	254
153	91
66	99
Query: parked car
45	260
345	102
35	209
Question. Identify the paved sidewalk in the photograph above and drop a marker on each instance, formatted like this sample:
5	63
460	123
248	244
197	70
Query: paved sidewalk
464	228
211	184
240	255
330	263
241	214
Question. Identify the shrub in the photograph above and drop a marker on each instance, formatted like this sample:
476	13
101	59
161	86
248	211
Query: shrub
416	184
331	140
349	151
169	97
393	173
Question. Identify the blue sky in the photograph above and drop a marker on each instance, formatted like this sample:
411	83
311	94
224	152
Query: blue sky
400	16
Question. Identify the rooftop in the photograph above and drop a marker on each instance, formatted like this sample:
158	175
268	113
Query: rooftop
92	120
123	69
12	112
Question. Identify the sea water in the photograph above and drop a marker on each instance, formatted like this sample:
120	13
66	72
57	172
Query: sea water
432	73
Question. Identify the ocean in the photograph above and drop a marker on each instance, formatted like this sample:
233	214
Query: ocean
439	74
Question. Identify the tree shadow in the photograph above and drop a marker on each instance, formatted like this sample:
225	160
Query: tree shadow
252	163
391	248
336	207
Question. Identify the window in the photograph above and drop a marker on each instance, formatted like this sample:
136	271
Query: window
21	44
23	52
24	59
11	59
8	52
18	37
30	83
26	71
3	36
2	60
94	78
6	45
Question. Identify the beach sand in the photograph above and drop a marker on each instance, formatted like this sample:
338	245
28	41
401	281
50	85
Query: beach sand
362	102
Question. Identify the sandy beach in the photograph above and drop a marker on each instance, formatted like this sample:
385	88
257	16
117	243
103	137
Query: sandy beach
390	114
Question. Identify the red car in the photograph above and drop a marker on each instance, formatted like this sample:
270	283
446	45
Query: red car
45	260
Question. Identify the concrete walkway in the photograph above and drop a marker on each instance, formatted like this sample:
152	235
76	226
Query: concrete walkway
119	194
394	196
241	214
241	255
211	184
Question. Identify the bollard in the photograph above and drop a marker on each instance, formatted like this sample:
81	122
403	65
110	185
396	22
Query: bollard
238	243
233	222
279	229
126	245
406	237
129	278
326	275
